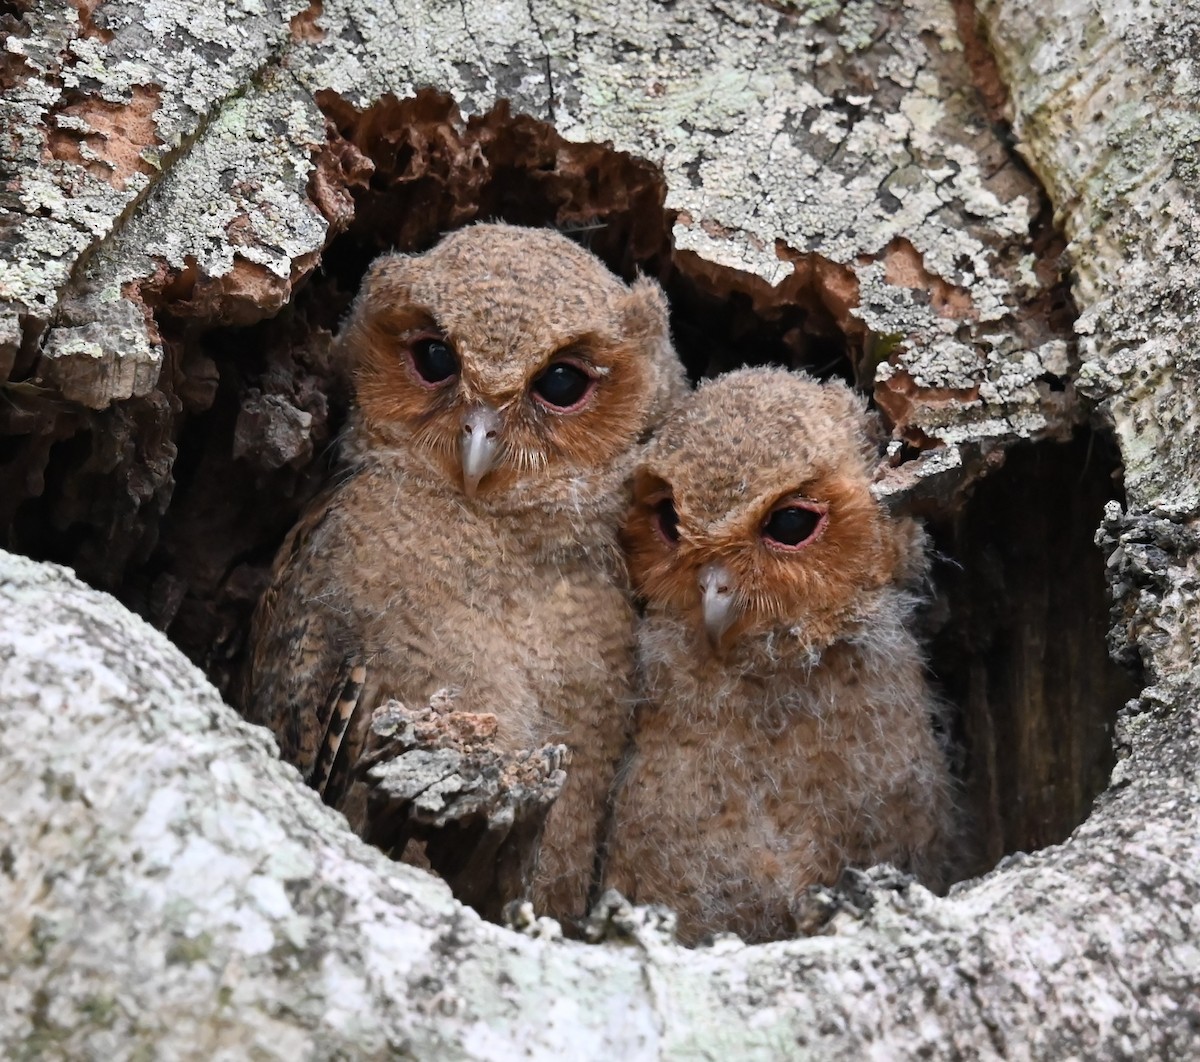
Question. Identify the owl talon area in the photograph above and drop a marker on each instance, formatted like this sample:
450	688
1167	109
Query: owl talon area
614	918
437	775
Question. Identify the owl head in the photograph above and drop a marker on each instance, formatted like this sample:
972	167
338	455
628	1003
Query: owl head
752	512
510	364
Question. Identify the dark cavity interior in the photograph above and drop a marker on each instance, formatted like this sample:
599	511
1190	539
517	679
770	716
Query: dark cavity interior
1019	648
177	502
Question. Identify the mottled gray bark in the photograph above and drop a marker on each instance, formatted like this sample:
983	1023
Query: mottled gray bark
173	891
782	136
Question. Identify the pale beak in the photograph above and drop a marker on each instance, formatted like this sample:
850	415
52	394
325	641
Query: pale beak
718	600
478	445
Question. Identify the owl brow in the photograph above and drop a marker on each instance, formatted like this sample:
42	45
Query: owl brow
404	321
804	493
583	348
650	489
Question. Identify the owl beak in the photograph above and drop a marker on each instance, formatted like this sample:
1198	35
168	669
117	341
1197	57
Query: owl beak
479	445
718	600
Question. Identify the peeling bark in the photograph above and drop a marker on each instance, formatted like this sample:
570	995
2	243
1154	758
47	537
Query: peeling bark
816	187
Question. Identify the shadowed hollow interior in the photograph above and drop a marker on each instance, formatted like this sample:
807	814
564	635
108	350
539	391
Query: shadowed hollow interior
177	502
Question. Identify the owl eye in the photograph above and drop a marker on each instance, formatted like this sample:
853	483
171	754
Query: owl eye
666	519
562	385
793	527
434	359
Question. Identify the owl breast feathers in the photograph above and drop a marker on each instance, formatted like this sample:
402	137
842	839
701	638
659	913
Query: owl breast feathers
785	729
504	381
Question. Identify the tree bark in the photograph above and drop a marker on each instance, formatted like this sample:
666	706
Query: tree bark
171	888
174	889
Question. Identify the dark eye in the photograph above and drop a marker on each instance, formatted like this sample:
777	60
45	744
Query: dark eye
562	385
794	526
434	360
667	520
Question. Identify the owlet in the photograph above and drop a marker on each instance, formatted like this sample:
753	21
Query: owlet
504	382
786	729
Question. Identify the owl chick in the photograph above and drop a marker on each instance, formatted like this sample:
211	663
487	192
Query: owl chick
785	730
503	382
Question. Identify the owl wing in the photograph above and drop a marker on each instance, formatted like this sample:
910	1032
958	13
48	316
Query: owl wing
307	668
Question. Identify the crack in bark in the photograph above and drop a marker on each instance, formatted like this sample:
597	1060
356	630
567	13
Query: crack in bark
466	23
537	26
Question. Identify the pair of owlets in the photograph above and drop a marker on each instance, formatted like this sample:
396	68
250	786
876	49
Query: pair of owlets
506	386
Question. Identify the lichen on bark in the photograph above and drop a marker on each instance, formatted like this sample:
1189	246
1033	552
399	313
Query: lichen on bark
173	888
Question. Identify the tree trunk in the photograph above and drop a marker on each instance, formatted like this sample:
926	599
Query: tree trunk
191	194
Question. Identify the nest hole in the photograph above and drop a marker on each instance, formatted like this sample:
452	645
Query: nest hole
177	502
1019	647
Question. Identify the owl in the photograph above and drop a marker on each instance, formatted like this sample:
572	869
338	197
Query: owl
504	382
785	729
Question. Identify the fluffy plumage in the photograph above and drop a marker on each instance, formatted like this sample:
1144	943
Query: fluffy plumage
504	381
786	729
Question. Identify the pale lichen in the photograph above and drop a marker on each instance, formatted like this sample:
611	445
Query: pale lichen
1113	131
174	889
835	145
